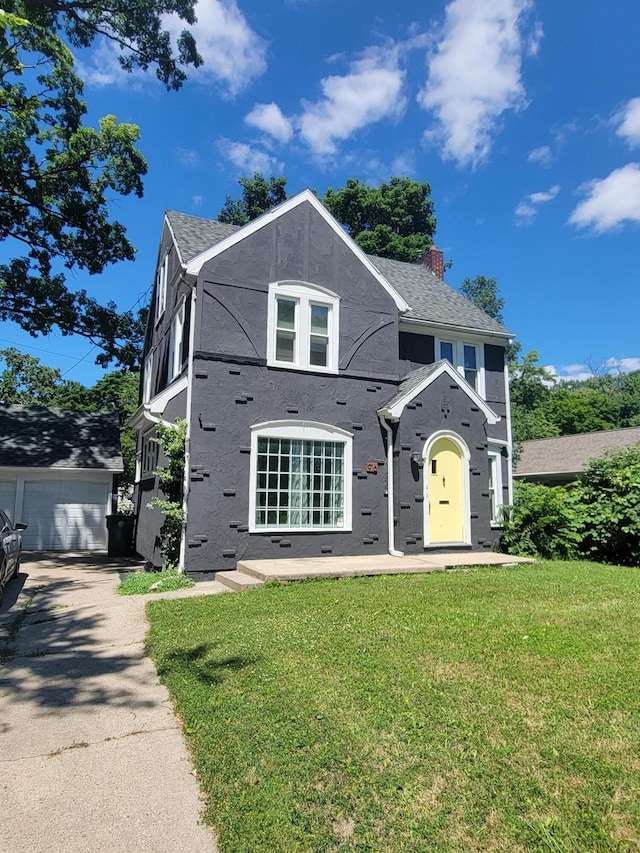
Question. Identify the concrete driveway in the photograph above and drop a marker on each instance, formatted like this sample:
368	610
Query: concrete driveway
91	755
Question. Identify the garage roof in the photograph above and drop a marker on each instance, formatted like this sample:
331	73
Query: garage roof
36	437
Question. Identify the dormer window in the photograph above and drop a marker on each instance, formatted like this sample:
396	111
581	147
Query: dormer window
302	327
161	287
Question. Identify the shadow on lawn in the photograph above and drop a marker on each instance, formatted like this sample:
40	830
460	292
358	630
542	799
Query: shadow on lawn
202	663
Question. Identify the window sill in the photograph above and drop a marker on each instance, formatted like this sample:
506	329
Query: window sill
292	530
284	365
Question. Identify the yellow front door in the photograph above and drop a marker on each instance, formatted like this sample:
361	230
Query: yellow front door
444	479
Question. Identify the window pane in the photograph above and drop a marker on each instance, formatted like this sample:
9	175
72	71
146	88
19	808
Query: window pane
286	496
469	358
318	351
319	319
286	314
285	346
446	351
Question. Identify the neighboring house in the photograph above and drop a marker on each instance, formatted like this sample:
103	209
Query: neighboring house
59	474
337	403
554	461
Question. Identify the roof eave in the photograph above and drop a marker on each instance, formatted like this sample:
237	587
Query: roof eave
451	327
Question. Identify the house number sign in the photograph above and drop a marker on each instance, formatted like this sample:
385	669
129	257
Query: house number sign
372	467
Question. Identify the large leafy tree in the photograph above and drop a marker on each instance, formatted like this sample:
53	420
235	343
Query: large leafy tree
393	220
57	174
259	194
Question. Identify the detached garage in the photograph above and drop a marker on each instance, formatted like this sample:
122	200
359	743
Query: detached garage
59	475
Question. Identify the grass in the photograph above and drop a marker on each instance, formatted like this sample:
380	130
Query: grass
141	583
488	710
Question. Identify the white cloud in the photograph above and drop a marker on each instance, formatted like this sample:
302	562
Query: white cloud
234	55
249	160
269	118
582	371
371	91
610	202
475	75
527	209
188	157
628	121
542	155
198	200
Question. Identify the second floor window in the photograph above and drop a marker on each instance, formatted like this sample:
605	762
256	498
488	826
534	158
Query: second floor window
161	287
302	327
465	358
176	343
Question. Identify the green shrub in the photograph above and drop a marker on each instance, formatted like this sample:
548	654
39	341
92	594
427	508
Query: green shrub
544	521
171	439
609	494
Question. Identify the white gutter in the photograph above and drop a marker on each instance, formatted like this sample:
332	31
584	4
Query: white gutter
390	503
187	437
507	394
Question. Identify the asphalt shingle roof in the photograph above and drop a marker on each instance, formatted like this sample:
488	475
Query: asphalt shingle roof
36	437
570	454
431	299
412	380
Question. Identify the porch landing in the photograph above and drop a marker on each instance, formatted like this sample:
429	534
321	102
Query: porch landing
253	573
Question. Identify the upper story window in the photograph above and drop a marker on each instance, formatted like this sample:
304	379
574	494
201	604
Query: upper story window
176	343
161	287
466	358
302	327
147	379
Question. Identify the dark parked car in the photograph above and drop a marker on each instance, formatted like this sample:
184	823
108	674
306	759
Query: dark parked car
11	542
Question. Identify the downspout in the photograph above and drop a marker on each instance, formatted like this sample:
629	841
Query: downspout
187	437
390	502
507	394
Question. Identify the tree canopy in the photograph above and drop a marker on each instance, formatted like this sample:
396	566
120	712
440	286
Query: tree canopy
258	195
393	220
57	174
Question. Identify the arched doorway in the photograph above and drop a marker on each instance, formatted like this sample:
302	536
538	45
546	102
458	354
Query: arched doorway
446	483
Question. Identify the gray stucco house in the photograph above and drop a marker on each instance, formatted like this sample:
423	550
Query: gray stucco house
337	403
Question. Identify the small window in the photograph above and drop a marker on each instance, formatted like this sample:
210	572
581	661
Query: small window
446	351
302	327
495	488
149	456
147	381
176	344
471	366
161	288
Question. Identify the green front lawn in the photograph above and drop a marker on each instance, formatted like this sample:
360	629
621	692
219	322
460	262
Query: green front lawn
483	710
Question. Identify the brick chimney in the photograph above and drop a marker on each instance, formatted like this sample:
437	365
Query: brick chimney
433	260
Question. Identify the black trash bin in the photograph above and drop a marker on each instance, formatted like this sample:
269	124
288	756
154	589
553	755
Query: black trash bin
120	530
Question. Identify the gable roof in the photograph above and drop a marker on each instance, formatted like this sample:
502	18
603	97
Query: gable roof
419	294
568	455
416	381
37	437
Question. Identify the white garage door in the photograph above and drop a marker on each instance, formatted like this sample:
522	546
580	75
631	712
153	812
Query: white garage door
8	498
65	516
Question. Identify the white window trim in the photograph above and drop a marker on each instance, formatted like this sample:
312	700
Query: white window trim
495	458
148	460
147	378
458	355
305	431
161	288
176	342
304	295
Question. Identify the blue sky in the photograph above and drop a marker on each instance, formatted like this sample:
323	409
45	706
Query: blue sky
524	116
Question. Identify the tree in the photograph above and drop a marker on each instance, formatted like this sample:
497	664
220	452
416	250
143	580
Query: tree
258	196
530	388
26	382
395	220
483	292
57	175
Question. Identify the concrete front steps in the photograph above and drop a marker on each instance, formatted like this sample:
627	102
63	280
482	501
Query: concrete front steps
250	574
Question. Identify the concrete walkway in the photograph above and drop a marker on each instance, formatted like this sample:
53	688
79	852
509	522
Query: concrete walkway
91	755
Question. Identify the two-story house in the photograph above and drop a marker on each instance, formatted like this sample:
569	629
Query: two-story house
336	403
